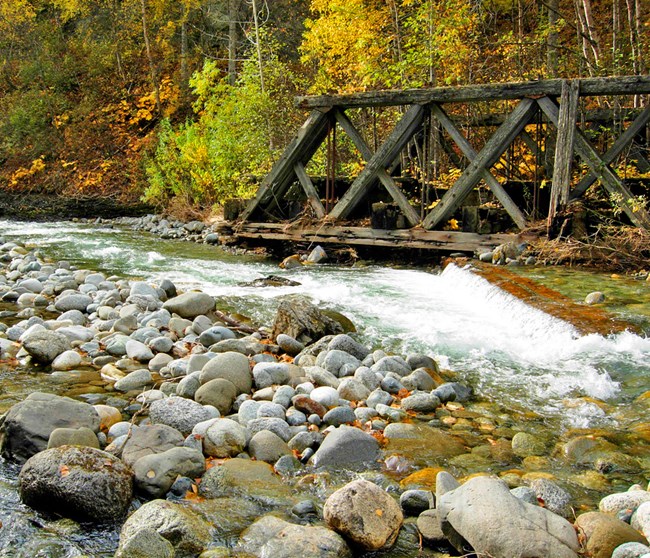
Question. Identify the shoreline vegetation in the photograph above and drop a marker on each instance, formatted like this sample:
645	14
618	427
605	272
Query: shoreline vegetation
293	439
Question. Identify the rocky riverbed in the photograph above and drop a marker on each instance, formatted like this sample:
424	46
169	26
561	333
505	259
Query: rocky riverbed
201	439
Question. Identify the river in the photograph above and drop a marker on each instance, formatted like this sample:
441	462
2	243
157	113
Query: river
516	357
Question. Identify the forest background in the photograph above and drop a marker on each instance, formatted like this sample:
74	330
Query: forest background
186	103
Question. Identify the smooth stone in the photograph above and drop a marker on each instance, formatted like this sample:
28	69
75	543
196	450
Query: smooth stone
190	305
283	396
365	514
603	533
334	360
275	425
484	514
327	396
154	474
556	499
414	502
344	342
137	350
180	413
215	334
271	536
289	345
379	397
321	377
346	447
219	393
78	482
108	416
28	425
267	409
183	527
188	385
428	524
230	366
134	380
44	346
244	478
67	360
340	415
160	344
420	380
248	411
352	389
392	364
73	302
145	543
595	298
224	438
148	439
73	437
266	374
614	503
267	446
420	402
631	550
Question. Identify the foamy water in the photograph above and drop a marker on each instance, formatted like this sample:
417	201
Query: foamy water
509	351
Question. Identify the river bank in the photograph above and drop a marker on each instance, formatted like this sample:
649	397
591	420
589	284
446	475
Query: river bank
468	437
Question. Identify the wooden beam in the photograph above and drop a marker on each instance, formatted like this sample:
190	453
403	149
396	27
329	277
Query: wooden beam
471	154
614	151
386	153
562	165
609	179
490	153
364	236
301	149
624	85
310	190
387	181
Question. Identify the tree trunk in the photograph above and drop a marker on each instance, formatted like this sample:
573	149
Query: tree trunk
553	38
152	66
233	16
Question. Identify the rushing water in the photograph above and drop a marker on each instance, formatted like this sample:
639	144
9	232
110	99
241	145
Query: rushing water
526	364
510	352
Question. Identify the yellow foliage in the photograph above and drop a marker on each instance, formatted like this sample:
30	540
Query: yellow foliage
38	166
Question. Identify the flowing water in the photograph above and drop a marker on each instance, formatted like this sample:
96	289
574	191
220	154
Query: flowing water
516	357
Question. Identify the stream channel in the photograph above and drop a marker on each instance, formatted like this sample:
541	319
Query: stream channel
529	370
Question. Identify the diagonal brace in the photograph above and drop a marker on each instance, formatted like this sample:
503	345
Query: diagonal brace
471	154
386	153
614	151
608	178
383	176
471	176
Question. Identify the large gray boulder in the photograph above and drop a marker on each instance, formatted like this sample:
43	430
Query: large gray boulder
148	439
188	532
272	536
347	447
155	473
44	346
78	482
179	413
483	514
27	425
190	305
365	514
76	301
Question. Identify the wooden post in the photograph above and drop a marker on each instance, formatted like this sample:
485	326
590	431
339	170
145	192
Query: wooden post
563	150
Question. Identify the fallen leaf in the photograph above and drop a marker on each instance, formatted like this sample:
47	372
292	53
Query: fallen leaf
379	512
151	474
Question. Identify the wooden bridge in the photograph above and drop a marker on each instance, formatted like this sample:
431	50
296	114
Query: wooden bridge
571	132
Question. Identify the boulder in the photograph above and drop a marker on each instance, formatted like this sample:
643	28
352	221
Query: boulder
28	425
364	514
272	536
67	360
230	366
188	532
146	543
75	301
241	477
44	346
179	413
190	305
484	515
219	393
303	321
134	380
346	447
267	446
155	473
148	439
78	482
604	533
224	438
